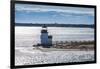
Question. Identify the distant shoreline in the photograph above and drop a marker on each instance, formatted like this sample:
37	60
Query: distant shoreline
56	25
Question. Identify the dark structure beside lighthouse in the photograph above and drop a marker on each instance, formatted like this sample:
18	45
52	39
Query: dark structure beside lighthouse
46	40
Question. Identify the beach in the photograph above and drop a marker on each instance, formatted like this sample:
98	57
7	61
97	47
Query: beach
32	56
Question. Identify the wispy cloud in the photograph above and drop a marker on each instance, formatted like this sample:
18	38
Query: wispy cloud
58	9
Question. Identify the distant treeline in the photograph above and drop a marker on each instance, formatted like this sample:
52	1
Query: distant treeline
56	25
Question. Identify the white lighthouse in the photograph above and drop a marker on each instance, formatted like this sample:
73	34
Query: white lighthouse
44	36
45	39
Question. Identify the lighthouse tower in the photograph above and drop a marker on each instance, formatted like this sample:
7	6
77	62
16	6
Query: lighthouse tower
46	40
44	36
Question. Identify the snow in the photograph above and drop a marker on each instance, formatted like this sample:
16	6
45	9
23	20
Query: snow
30	56
25	54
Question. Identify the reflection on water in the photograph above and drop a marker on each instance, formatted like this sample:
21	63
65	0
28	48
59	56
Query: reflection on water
27	36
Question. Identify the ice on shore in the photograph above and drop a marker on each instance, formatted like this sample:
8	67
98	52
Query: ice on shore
26	37
28	56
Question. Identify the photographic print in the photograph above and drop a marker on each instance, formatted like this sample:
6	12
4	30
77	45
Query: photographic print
53	34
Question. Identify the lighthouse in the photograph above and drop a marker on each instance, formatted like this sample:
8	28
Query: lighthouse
46	40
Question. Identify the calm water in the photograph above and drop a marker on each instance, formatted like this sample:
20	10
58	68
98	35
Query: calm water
28	36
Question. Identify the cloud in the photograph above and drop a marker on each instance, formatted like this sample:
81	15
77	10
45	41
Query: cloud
58	9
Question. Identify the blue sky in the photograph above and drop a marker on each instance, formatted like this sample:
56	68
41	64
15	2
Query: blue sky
25	13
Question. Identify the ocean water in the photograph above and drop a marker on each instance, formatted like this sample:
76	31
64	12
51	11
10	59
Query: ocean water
28	36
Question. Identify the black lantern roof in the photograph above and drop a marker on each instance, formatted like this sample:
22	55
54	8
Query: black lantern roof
44	31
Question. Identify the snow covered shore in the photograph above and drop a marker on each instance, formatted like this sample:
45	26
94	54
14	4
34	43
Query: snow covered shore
26	37
29	56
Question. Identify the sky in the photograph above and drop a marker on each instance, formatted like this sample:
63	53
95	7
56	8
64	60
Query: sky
45	14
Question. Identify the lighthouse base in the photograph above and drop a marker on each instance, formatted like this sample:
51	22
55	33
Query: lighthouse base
46	46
